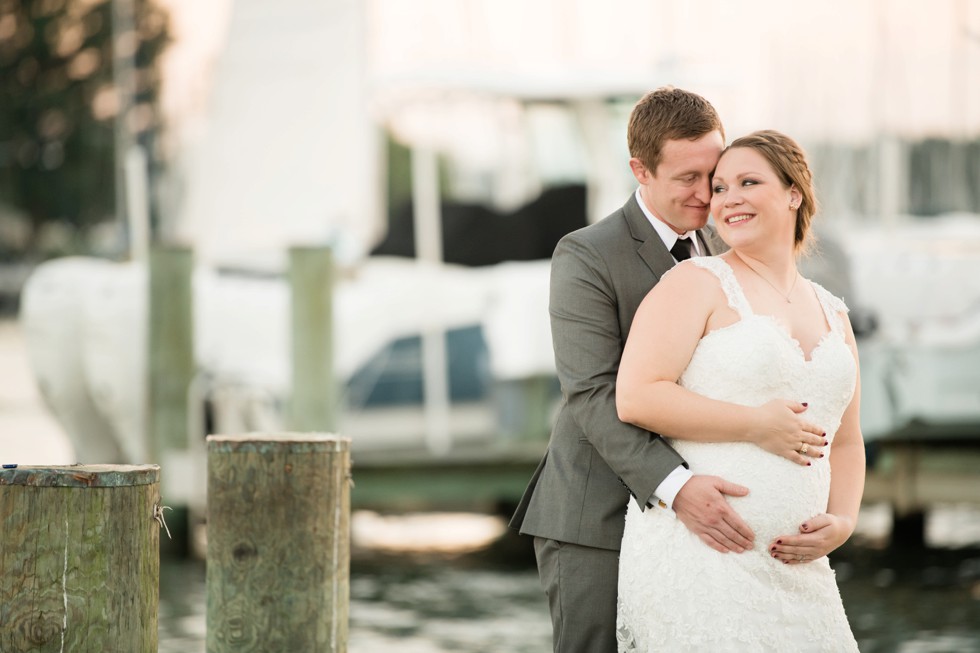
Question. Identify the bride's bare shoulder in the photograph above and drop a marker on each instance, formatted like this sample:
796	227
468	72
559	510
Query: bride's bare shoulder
687	282
692	274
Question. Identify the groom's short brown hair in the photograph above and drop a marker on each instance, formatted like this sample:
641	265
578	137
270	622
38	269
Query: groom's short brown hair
665	114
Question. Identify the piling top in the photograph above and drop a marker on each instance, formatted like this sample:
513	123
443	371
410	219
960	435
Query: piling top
264	442
80	475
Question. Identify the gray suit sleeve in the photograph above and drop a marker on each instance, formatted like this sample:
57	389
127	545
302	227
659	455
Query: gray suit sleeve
588	345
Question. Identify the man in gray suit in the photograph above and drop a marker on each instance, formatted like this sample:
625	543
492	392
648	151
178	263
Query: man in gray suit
575	504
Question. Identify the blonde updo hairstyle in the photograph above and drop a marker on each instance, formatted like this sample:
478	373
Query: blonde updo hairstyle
788	161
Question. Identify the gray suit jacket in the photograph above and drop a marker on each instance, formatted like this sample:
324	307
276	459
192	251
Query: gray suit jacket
599	276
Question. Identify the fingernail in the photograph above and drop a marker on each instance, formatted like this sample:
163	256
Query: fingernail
805	404
804	527
808	464
773	549
779	541
824	434
821	455
826	442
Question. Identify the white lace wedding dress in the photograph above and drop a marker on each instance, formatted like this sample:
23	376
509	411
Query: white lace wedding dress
678	594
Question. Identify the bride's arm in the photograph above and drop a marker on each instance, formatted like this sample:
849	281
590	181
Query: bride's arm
847	462
665	332
823	533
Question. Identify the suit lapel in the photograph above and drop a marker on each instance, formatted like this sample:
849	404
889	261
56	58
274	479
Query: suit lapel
651	249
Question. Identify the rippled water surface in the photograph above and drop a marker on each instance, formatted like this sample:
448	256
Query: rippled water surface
909	601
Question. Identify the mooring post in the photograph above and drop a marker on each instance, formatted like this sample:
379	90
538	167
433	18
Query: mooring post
171	347
170	342
79	558
278	555
313	400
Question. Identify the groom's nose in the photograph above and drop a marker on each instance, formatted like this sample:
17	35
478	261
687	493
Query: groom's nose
703	191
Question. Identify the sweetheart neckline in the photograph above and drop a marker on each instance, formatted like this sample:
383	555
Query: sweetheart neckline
783	331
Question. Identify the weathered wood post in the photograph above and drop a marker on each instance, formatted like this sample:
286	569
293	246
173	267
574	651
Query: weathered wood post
170	342
313	401
278	561
171	347
79	558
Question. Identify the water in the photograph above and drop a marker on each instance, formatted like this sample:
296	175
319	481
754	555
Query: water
490	601
409	604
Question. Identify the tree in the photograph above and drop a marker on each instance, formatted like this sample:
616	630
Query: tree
60	99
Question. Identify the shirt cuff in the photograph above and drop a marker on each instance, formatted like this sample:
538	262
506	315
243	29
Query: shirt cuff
670	486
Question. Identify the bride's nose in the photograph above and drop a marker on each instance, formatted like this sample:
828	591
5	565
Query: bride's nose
732	198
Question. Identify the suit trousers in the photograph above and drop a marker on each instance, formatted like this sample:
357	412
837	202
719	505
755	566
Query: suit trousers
581	585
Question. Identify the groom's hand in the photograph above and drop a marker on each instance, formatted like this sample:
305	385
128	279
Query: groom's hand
702	507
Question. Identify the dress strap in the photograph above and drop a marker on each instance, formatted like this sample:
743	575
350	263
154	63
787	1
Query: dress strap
729	284
833	306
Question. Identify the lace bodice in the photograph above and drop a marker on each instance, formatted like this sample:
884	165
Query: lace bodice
669	579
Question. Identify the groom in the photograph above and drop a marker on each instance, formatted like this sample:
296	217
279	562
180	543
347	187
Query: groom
575	504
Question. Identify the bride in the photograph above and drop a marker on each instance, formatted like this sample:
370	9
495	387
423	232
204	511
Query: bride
717	343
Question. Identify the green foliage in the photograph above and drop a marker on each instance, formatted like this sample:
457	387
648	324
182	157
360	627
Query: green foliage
59	104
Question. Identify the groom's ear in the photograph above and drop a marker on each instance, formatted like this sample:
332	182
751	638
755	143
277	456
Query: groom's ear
640	171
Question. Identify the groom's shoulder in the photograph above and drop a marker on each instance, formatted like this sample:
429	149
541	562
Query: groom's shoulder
609	230
716	244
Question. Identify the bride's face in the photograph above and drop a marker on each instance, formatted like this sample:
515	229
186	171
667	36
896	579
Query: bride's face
749	202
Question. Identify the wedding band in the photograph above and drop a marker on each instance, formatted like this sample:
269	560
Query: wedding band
804	448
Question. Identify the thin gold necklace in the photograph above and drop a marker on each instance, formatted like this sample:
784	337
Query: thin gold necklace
784	296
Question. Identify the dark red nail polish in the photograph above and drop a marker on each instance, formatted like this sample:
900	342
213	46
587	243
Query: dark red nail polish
808	464
779	541
821	455
805	404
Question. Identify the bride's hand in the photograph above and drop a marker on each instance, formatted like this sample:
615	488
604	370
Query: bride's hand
818	536
783	431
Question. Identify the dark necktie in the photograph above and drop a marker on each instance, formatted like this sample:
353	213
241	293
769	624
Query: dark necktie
683	249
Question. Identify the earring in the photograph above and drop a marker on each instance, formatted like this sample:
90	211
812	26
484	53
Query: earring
793	205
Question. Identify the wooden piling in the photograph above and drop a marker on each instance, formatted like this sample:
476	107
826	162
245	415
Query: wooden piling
79	558
278	555
313	401
171	348
170	354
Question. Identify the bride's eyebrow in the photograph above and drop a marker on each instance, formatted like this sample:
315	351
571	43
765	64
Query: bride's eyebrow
740	175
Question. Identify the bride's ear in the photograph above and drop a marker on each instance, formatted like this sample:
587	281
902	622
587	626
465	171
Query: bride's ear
795	197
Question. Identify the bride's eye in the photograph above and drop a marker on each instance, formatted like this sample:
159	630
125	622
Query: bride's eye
717	188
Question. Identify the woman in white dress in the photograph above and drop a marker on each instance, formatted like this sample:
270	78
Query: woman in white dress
718	343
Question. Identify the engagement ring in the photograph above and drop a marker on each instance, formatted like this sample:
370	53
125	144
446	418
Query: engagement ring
804	448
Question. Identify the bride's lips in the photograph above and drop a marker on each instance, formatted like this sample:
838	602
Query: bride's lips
738	218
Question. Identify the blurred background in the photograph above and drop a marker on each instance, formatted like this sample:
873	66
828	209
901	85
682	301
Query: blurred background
242	216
